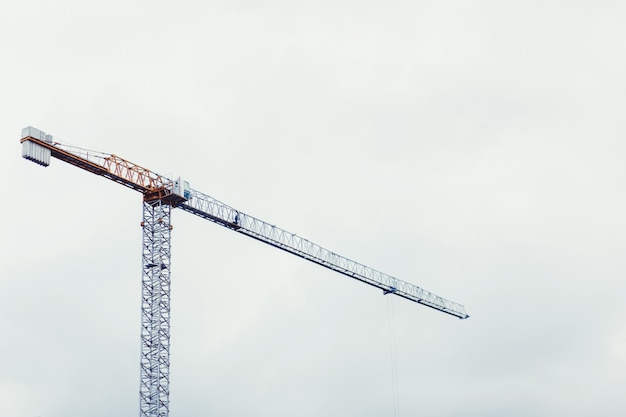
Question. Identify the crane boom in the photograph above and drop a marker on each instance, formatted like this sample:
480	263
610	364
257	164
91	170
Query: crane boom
211	209
153	185
161	194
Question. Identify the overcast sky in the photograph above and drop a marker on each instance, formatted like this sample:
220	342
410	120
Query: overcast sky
473	148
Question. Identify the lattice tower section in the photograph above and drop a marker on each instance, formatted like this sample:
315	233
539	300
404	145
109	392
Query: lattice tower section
155	310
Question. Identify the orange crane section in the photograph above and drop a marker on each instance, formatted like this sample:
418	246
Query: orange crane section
152	185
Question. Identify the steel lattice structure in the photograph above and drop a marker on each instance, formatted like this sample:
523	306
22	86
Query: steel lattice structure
161	195
155	310
211	209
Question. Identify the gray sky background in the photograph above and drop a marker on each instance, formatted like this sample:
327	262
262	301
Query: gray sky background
472	148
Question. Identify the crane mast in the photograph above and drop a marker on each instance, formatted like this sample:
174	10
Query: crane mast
160	195
155	309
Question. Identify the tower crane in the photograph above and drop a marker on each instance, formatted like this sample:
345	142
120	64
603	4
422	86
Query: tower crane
162	194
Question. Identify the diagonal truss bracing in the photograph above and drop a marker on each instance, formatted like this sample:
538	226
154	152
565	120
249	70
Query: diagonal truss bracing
214	210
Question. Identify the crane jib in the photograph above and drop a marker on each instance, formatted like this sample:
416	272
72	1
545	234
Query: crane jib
159	189
213	210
